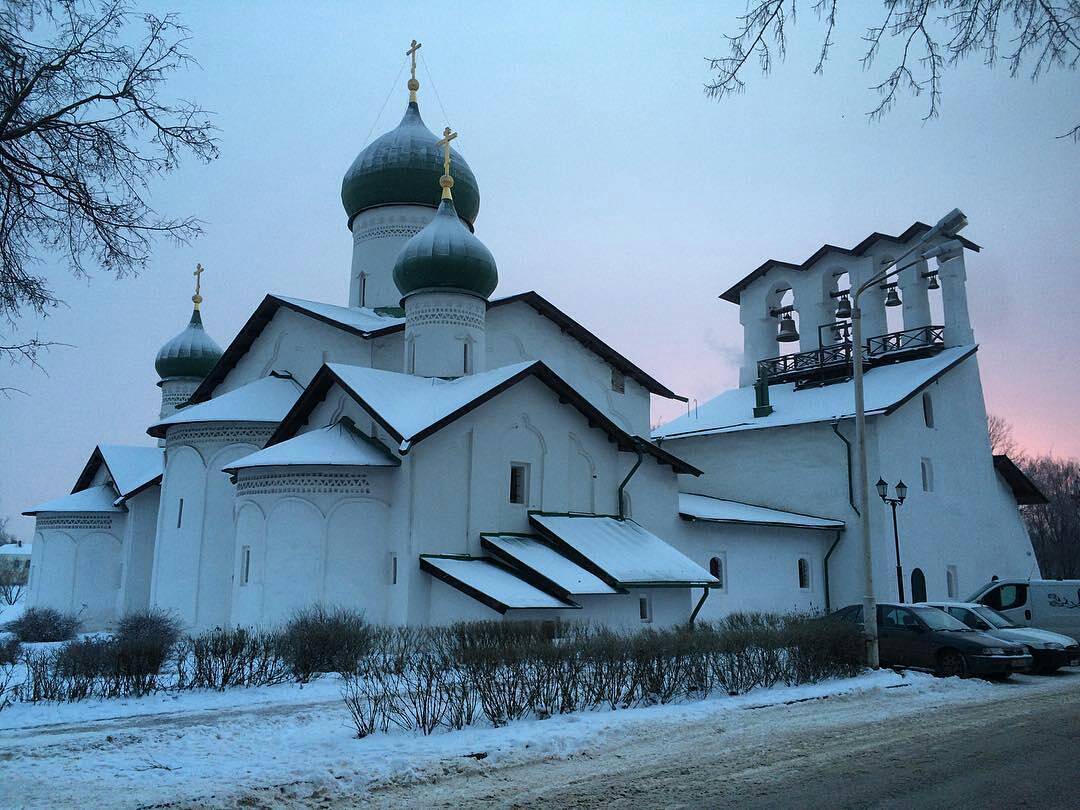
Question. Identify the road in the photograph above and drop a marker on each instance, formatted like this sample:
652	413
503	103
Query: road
1019	749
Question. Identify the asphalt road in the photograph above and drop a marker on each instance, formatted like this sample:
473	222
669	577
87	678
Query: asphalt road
1022	749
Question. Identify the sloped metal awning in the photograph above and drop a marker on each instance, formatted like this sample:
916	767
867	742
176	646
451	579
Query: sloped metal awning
490	583
541	560
620	552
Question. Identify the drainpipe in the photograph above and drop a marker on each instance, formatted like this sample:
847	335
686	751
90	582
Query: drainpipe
701	602
832	548
851	501
629	475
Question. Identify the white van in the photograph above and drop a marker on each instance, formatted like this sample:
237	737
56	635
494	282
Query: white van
1049	604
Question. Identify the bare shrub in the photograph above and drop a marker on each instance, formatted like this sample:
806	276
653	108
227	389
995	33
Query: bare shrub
10	648
12	581
44	624
221	659
324	639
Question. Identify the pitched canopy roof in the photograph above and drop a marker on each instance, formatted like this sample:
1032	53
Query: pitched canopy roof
886	389
131	467
338	445
1026	491
732	294
265	400
718	510
93	499
489	582
411	408
542	560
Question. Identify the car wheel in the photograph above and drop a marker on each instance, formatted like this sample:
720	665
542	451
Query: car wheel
950	663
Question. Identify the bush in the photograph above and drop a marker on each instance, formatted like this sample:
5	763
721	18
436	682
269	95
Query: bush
44	624
222	659
10	648
321	639
145	640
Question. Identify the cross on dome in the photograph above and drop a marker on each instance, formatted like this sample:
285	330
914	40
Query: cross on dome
446	181
414	85
197	297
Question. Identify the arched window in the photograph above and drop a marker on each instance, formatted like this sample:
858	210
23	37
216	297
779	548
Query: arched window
716	568
804	574
951	584
927	467
928	410
918	586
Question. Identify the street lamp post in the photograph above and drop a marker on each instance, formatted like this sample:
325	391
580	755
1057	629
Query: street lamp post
901	496
947	226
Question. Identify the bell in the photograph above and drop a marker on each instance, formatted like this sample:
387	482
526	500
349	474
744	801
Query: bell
893	298
843	308
933	283
788	333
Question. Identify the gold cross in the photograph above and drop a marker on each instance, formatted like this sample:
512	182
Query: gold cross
412	54
445	144
197	298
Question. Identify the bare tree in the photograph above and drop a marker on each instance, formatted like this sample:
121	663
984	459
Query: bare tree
83	131
1055	527
1001	437
931	36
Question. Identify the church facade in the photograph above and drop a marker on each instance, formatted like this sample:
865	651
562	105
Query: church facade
429	453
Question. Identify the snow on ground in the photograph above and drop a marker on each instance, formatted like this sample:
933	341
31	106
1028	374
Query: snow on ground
212	748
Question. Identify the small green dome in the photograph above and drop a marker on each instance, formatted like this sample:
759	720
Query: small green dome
192	353
403	167
446	255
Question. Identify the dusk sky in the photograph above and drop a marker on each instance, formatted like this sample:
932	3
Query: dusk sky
609	184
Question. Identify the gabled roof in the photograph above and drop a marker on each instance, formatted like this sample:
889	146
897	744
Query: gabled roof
1026	491
361	321
411	408
886	388
369	323
338	445
718	510
732	294
620	552
132	468
490	583
93	499
267	399
542	560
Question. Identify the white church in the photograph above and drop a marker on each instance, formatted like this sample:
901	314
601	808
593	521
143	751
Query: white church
428	453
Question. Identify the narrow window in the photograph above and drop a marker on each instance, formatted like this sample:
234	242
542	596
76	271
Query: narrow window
410	357
245	565
393	568
951	581
804	574
928	410
180	514
716	568
645	608
927	475
519	483
467	361
618	381
363	289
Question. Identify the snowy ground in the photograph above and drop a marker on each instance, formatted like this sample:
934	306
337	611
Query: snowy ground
286	745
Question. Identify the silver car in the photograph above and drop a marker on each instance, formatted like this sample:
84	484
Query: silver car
1049	651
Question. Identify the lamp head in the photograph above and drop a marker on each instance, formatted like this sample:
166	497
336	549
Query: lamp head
901	490
949	225
882	488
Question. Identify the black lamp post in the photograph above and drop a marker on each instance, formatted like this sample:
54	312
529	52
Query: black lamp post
901	495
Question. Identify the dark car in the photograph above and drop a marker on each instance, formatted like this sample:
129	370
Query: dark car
922	637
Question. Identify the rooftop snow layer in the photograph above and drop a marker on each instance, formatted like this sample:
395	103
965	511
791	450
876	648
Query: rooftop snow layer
16	550
132	467
266	400
410	404
625	551
335	446
492	584
886	387
536	555
94	499
360	319
717	510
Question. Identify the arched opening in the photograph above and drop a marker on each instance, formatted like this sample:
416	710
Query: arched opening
804	574
782	309
836	296
718	569
918	586
928	409
894	302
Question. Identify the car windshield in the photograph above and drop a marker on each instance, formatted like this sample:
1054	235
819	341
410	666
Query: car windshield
939	619
992	617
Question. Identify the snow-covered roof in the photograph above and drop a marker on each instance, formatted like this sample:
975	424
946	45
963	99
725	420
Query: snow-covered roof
620	551
339	445
885	389
717	510
540	558
131	467
16	550
266	400
363	320
490	583
93	499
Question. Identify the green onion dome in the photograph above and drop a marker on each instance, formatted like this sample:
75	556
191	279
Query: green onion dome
402	167
192	353
445	255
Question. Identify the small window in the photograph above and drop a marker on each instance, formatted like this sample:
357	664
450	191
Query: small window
393	568
618	381
951	582
928	410
804	574
927	467
645	608
245	565
410	357
519	483
363	289
180	514
466	364
718	568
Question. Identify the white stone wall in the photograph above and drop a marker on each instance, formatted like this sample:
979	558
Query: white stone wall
378	236
138	549
444	334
